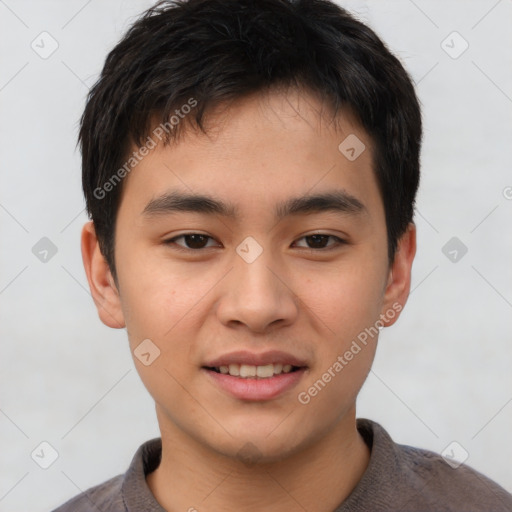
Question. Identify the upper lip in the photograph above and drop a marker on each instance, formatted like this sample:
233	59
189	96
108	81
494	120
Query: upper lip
255	359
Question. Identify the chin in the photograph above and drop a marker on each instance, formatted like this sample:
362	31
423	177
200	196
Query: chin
255	445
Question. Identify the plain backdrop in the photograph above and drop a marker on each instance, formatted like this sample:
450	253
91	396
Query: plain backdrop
442	373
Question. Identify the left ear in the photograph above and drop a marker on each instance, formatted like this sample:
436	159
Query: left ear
399	280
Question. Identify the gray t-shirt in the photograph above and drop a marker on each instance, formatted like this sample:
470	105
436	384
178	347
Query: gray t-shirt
398	478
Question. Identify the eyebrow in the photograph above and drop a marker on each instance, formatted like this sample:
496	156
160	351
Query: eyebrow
172	202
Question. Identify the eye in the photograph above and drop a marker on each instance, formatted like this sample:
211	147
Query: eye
319	241
193	241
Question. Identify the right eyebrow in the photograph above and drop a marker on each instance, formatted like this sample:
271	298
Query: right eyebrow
174	201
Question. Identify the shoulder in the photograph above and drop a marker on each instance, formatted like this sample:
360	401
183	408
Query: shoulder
401	477
128	491
106	497
450	488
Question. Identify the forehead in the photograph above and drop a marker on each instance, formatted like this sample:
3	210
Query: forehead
263	147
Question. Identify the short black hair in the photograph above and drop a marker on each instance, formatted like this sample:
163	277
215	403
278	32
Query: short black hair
208	52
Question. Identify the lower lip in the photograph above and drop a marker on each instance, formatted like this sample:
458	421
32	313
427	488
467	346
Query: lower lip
256	389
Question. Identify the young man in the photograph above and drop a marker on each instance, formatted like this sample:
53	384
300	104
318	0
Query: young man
251	169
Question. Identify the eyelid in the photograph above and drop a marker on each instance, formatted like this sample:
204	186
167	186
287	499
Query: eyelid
338	241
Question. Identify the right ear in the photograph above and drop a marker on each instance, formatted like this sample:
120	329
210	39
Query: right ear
101	283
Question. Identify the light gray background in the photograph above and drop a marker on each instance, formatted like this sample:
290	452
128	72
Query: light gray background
441	374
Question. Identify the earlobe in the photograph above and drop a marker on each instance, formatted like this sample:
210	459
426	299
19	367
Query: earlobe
399	277
101	283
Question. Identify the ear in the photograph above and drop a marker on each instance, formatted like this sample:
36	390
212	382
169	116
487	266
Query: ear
399	278
101	283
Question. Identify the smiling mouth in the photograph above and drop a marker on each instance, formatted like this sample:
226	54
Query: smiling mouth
247	371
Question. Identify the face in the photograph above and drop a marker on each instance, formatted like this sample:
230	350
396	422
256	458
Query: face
259	249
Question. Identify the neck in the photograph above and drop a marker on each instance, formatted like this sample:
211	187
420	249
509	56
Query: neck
191	476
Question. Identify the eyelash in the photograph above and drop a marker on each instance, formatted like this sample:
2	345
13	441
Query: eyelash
338	242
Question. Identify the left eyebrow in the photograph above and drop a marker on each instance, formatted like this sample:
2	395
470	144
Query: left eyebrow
174	201
338	200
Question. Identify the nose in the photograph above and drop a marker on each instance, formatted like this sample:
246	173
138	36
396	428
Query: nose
258	296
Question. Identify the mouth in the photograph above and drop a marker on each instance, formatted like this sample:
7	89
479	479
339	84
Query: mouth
255	377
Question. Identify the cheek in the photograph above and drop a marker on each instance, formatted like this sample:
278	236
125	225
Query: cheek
157	294
347	304
168	306
163	308
348	308
345	300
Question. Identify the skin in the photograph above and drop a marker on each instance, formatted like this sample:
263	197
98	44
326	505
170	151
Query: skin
196	306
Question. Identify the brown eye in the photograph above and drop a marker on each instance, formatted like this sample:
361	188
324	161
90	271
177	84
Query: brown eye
193	241
319	241
196	241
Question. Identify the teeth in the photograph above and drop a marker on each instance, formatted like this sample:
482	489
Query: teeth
234	369
248	370
265	371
